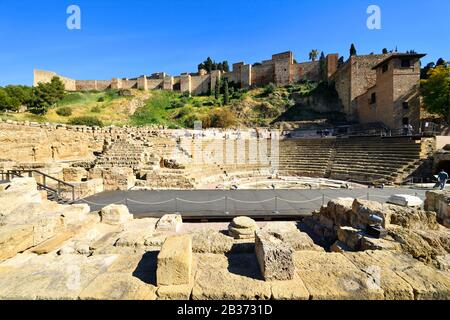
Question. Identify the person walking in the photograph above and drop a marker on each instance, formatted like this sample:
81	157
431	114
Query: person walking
442	177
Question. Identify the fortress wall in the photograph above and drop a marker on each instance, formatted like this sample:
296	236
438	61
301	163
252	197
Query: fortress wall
200	84
283	75
155	84
332	64
308	70
85	85
185	83
103	84
46	76
230	76
263	74
129	84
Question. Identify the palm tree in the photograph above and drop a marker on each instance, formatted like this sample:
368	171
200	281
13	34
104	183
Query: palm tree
313	55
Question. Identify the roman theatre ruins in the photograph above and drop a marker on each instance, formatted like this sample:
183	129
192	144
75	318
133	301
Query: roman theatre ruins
150	213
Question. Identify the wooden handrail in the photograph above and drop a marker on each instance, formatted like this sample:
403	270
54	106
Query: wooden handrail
57	192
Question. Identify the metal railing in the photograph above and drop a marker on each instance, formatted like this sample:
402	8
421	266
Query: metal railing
42	180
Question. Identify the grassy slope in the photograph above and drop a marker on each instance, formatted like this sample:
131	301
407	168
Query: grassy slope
256	107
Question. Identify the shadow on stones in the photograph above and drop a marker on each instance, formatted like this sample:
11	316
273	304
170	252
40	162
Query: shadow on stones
146	269
245	265
315	238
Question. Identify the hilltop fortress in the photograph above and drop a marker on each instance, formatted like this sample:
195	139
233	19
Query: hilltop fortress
371	88
281	70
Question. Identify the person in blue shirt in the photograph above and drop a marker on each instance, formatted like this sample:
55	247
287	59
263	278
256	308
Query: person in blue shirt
442	177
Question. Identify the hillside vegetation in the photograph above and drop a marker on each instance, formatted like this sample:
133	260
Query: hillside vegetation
241	107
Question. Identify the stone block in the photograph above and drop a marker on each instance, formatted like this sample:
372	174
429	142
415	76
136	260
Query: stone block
74	174
175	261
115	214
231	277
118	179
170	223
289	290
46	226
118	286
330	276
76	214
394	287
18	192
339	247
15	239
405	200
351	237
180	292
274	257
369	243
54	243
211	241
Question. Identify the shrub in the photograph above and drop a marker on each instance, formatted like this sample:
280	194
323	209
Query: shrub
222	118
64	111
101	99
86	121
96	109
198	104
177	104
266	110
183	112
190	119
269	89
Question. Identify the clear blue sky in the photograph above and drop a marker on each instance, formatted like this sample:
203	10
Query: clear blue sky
122	38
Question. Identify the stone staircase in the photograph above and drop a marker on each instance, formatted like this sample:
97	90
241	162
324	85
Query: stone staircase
305	157
376	160
361	159
124	154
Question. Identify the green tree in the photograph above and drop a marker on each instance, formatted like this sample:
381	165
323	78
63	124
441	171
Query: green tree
226	66
441	62
7	103
353	50
385	51
323	67
23	94
425	70
313	54
226	93
46	95
217	89
436	91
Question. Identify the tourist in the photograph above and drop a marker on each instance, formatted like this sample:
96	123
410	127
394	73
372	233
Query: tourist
410	130
442	178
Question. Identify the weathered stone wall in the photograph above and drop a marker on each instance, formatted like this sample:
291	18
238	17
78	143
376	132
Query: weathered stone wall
393	87
280	70
306	70
155	84
26	143
263	74
46	76
354	79
200	84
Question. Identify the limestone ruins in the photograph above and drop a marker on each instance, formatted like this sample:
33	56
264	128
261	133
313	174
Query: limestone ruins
56	251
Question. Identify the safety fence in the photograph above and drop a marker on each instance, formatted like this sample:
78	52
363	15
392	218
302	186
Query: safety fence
229	206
